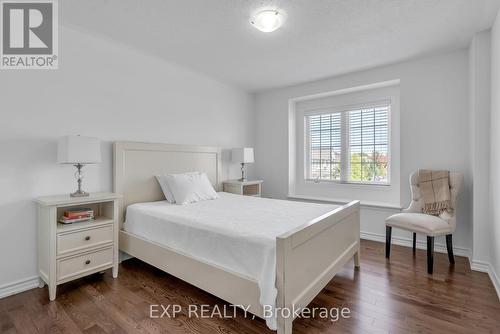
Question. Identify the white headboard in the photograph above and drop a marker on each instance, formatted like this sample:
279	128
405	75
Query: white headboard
136	164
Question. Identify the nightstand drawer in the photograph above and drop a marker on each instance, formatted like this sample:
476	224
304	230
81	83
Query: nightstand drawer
80	265
80	240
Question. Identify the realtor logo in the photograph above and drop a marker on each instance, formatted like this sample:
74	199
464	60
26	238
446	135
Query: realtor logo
29	38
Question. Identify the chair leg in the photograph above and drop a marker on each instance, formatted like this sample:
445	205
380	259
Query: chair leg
414	242
430	254
449	247
388	232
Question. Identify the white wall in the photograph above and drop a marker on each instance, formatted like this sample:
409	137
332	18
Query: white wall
479	85
495	151
108	91
434	129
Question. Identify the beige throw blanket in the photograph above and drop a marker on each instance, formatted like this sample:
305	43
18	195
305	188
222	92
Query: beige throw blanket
435	189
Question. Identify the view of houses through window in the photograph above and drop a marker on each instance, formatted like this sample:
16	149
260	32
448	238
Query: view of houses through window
349	146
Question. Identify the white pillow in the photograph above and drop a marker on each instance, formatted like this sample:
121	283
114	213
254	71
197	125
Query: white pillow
164	187
190	187
162	180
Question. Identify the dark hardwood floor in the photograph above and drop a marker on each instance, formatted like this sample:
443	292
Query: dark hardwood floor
397	297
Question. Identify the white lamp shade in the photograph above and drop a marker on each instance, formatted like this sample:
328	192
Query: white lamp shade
78	150
242	155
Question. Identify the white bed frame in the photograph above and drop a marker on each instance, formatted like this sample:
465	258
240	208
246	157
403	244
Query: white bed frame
307	258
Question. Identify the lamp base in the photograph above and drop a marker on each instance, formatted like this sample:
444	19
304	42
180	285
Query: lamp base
243	178
79	177
79	193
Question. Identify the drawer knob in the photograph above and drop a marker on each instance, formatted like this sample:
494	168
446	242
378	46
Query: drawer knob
87	262
87	238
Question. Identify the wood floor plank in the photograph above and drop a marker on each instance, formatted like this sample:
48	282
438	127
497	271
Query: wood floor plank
22	322
396	296
6	323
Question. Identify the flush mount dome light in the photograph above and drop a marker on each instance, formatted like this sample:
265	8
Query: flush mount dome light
267	20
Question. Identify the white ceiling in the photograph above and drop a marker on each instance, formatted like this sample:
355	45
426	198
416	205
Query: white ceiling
320	38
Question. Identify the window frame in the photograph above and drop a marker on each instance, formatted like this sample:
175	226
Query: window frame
344	110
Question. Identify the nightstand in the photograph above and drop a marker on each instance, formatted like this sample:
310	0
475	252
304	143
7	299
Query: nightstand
247	188
70	251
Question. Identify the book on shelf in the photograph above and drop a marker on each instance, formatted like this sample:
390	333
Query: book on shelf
78	213
66	220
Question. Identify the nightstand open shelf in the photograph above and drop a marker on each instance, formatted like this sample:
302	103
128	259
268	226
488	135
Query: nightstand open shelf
246	188
251	190
104	208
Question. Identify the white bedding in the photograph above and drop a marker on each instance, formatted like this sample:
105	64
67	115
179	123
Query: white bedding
235	232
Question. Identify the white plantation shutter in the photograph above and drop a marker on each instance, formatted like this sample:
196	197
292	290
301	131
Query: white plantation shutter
325	146
349	146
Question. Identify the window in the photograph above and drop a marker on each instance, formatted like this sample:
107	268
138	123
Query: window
350	146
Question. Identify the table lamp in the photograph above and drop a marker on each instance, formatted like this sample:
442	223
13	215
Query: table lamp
242	155
78	151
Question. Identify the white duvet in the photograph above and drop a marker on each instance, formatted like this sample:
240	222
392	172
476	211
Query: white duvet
235	232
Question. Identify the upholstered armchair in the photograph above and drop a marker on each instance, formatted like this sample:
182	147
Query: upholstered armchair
414	220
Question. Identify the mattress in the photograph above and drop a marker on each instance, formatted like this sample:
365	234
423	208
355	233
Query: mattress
234	232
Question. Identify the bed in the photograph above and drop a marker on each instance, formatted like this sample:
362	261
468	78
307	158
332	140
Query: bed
251	251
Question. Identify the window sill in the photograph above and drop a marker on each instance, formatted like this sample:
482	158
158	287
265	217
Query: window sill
369	204
373	186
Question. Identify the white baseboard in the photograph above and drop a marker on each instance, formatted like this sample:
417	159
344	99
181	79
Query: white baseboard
122	256
496	281
19	286
486	267
407	242
481	266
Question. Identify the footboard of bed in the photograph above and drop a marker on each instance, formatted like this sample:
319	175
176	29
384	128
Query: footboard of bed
308	257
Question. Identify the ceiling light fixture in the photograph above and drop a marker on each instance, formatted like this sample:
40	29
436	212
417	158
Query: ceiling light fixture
267	20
